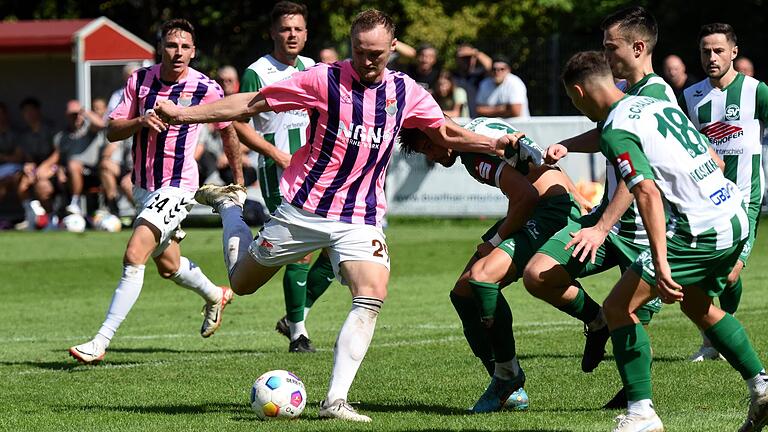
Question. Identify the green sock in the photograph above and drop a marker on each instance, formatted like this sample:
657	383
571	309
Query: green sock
632	350
474	331
486	295
295	290
730	298
728	337
500	333
583	308
319	278
644	315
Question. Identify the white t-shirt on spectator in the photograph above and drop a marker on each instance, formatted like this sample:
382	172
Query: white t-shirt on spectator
511	91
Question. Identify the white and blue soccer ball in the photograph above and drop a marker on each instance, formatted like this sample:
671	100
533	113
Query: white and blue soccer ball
278	394
74	223
110	223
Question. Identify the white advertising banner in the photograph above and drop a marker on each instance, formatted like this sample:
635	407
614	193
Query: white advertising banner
416	187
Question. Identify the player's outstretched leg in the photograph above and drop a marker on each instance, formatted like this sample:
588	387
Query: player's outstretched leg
228	201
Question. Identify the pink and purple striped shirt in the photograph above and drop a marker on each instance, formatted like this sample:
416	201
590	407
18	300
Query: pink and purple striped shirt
167	158
340	173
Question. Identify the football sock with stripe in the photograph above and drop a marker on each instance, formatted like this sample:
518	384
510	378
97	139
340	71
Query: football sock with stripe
582	307
731	297
191	277
319	279
474	331
730	339
352	344
123	299
486	295
632	350
295	292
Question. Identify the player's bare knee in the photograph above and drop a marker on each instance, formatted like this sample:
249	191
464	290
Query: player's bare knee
533	281
134	255
479	273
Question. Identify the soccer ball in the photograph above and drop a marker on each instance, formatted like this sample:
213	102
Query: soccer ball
110	223
278	394
74	223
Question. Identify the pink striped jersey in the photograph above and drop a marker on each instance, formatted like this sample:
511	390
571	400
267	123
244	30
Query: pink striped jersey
167	158
340	173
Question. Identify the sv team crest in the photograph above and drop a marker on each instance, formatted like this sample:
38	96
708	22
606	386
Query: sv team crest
391	107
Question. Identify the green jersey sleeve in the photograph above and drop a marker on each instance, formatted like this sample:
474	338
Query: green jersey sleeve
623	150
762	103
656	91
250	81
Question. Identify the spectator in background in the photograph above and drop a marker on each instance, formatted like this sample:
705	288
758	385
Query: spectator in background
503	94
79	146
425	70
472	66
227	78
11	157
744	65
99	106
451	98
676	75
328	55
116	158
37	185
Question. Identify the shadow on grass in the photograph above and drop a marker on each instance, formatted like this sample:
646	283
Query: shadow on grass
155	350
411	407
238	409
64	366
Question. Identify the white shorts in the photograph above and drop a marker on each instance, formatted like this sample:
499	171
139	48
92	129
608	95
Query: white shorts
292	233
164	209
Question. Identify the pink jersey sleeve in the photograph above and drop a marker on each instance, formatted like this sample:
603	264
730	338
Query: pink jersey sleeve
423	112
213	94
126	109
302	90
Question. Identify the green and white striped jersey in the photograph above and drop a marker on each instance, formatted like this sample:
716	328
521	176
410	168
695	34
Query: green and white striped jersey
630	225
733	119
647	138
286	130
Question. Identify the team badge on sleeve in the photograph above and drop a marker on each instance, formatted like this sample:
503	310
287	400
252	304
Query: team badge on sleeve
624	162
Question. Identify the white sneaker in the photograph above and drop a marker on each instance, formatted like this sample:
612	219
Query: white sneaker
73	209
340	409
705	352
212	313
631	422
757	416
90	352
214	196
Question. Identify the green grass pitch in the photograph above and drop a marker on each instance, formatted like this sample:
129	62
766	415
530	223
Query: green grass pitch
419	374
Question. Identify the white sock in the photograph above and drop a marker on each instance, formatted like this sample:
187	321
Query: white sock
643	407
123	299
237	235
306	312
507	370
192	278
598	322
297	329
75	201
757	385
352	344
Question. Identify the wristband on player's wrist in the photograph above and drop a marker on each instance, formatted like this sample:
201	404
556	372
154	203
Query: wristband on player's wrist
495	240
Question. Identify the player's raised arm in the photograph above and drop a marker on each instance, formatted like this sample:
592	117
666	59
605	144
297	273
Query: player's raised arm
254	141
452	136
233	153
233	107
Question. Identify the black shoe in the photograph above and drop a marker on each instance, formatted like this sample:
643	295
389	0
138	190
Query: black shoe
594	348
282	327
618	402
301	345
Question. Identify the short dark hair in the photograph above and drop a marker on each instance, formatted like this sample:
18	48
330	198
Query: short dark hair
583	65
177	24
370	19
718	28
29	101
408	138
287	8
634	21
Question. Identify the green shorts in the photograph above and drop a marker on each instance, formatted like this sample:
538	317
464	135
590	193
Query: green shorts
550	215
703	267
615	251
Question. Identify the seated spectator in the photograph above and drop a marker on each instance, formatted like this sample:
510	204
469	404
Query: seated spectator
211	160
328	55
503	94
472	66
451	98
37	185
227	78
11	157
99	106
745	66
115	172
79	146
675	74
425	69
